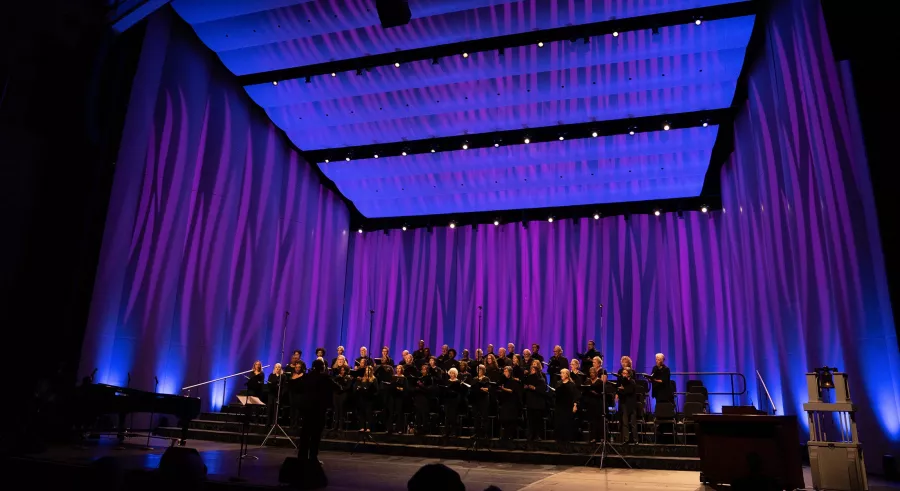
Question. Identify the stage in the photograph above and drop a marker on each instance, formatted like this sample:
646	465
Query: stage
363	470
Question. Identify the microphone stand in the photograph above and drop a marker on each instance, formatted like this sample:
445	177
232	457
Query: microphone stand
275	424
479	331
152	413
371	326
604	443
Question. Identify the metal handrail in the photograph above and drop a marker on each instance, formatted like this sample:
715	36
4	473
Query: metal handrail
731	376
189	387
769	396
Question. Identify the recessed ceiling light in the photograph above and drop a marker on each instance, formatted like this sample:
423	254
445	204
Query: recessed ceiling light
596	216
465	55
527	140
275	82
397	65
616	34
333	74
594	134
540	44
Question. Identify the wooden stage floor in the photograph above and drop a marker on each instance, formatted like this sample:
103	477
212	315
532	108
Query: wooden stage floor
382	472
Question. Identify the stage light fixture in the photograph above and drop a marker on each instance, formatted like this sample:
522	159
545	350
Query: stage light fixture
698	21
465	55
704	209
540	44
615	34
496	222
275	82
359	231
496	144
561	138
433	150
347	159
403	228
705	124
550	219
656	212
397	64
403	153
667	126
596	216
527	140
465	145
452	224
376	155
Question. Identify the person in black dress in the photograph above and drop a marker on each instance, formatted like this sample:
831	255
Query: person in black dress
384	374
479	360
465	357
510	399
535	390
363	355
594	404
276	378
396	395
566	405
420	353
518	366
256	380
588	356
409	366
575	372
479	396
366	389
450	361
627	396
294	373
453	395
343	386
386	355
436	371
502	360
492	370
422	393
465	370
660	377
340	353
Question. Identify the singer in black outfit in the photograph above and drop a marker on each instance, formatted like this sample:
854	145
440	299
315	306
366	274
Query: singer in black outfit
294	372
588	356
567	396
317	389
535	390
660	377
366	390
594	404
510	399
276	378
396	395
453	395
343	386
479	396
627	395
422	399
556	364
256	380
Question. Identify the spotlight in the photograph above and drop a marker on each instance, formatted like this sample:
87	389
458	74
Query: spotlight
308	79
496	222
705	124
275	82
376	155
704	209
347	159
435	61
465	146
596	216
465	55
452	224
403	153
496	144
540	44
403	228
631	130
561	138
527	140
550	219
333	74
359	231
595	134
698	22
397	64
432	150
656	212
667	126
615	34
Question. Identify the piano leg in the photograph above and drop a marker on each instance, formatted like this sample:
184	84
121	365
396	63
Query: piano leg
185	423
121	427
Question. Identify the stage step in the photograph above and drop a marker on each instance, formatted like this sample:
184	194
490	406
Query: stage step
662	457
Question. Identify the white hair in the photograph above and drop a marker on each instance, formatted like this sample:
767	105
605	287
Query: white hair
453	371
341	348
526	350
566	371
278	365
364	348
660	355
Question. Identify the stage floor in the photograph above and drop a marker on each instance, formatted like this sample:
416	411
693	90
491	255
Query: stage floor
352	472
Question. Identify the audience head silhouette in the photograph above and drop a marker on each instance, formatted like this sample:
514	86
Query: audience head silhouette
435	477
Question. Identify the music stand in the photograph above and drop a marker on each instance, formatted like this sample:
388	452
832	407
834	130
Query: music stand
247	402
604	443
275	424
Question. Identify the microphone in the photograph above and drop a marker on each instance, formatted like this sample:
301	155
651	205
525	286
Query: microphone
601	305
156	379
479	307
371	311
93	373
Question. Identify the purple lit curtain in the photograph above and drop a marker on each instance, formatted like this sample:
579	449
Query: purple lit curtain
789	277
215	228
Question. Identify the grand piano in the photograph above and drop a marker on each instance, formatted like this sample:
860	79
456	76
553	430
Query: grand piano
99	399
